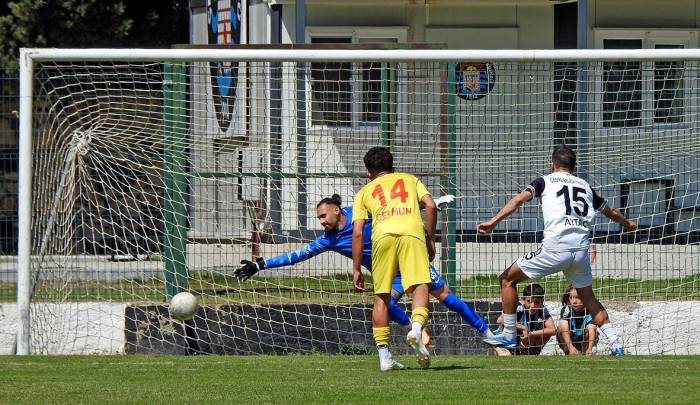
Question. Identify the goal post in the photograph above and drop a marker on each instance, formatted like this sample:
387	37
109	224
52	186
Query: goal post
24	194
174	178
448	141
146	172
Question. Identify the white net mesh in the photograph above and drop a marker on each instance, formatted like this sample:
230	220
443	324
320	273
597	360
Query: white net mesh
151	178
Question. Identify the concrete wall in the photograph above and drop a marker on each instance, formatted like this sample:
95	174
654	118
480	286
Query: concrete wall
101	328
67	328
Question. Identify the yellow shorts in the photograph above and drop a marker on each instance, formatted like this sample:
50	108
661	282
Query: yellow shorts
392	252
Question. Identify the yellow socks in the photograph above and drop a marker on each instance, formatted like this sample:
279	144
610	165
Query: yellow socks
420	315
381	336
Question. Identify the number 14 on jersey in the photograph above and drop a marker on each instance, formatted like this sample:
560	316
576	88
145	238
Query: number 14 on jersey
398	190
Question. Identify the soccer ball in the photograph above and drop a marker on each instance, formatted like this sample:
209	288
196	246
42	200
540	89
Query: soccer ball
183	306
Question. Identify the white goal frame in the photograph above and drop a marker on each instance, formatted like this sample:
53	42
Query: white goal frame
30	55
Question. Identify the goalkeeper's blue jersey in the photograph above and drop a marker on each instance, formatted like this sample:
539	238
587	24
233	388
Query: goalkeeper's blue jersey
341	242
336	241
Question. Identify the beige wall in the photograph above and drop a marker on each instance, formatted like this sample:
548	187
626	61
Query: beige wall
644	13
460	25
533	20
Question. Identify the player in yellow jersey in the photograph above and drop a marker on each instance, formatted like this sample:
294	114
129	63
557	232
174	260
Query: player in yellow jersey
393	201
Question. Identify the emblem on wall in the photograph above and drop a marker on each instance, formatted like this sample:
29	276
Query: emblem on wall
224	28
474	79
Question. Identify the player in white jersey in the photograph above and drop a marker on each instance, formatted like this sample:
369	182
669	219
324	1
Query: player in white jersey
568	206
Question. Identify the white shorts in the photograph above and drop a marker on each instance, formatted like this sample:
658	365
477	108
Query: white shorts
575	264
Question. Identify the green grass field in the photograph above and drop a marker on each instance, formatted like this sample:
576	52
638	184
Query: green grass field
216	288
348	379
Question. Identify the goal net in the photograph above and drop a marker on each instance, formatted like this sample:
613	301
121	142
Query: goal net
154	172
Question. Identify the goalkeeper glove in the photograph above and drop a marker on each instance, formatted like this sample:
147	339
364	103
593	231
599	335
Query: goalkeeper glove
249	268
445	199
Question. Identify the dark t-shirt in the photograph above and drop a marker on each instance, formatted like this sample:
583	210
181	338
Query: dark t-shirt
534	321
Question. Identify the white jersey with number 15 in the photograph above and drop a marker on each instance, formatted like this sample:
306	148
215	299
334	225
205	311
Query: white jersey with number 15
568	207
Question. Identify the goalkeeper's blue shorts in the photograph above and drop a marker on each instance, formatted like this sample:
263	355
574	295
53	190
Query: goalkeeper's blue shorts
436	282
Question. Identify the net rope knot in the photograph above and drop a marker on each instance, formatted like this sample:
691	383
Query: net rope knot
81	142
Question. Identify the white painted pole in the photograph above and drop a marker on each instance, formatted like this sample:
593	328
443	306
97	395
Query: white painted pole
359	55
24	247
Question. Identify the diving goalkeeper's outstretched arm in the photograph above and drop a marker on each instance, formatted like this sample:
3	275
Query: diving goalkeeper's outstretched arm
249	268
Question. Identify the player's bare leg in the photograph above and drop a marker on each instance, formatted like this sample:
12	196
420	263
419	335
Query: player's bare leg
594	307
420	296
509	280
419	317
600	319
381	333
509	299
427	339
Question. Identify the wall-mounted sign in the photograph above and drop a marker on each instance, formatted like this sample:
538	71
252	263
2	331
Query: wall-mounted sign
474	79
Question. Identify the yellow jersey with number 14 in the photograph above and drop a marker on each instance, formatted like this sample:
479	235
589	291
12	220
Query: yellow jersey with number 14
392	202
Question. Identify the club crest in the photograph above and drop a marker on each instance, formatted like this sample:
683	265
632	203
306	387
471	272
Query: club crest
474	80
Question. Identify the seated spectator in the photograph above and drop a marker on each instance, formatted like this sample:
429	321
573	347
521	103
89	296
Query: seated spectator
535	325
576	332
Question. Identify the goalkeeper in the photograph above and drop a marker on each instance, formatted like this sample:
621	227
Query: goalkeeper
337	237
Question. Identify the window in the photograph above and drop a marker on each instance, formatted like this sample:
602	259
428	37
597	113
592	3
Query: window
331	96
622	88
350	94
371	91
371	81
668	90
636	94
